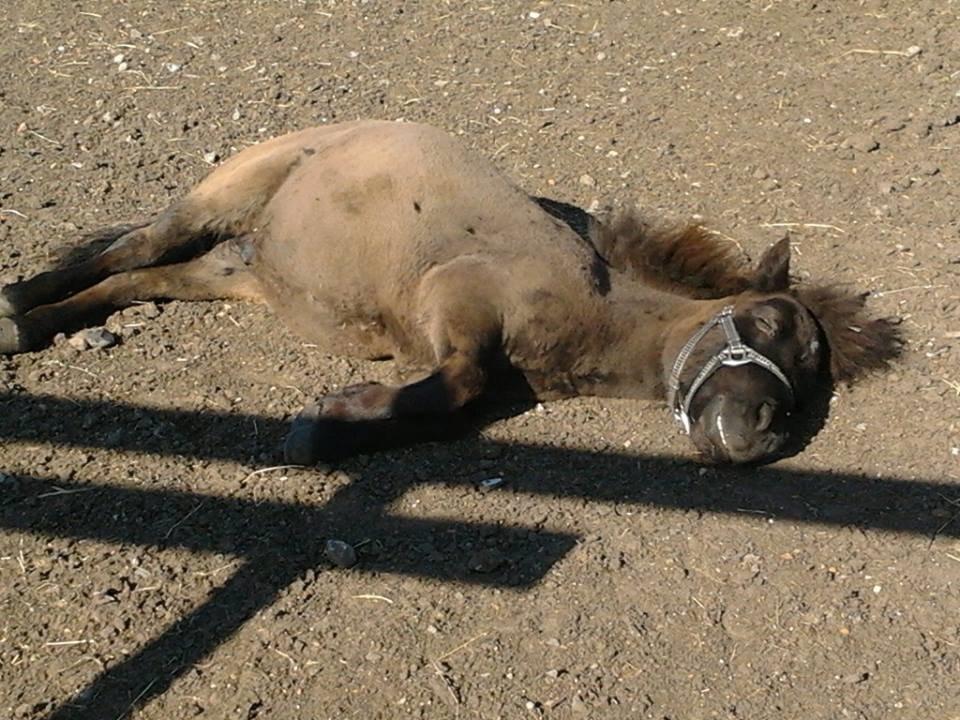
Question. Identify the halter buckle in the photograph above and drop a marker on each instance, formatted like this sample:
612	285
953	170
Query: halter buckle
735	355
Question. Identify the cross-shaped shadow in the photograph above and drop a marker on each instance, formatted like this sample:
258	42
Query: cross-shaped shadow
281	542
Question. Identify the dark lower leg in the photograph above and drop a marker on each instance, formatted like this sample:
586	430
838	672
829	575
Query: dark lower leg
205	278
138	248
371	415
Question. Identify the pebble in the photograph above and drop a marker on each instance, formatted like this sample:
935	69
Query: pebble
891	124
914	50
587	181
8	482
491	483
340	553
210	157
149	310
861	142
920	127
486	561
98	338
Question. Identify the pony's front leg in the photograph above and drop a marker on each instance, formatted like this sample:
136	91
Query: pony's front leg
463	327
370	415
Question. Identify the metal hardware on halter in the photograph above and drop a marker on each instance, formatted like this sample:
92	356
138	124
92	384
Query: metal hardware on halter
734	353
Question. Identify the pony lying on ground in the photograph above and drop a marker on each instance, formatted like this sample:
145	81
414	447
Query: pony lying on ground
391	240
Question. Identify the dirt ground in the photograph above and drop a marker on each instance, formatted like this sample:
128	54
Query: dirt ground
154	562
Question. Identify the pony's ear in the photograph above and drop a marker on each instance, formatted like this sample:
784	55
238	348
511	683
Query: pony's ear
857	343
773	270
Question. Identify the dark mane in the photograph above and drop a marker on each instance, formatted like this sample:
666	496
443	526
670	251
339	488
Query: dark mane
683	259
857	344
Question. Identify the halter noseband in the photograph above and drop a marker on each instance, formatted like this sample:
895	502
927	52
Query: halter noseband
733	354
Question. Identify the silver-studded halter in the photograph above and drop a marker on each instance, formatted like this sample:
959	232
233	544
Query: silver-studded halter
733	354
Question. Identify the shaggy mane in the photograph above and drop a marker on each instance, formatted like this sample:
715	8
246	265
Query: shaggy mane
684	259
857	344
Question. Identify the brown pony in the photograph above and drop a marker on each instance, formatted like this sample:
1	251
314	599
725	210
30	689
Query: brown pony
391	240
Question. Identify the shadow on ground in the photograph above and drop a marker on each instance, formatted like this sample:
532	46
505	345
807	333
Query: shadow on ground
279	542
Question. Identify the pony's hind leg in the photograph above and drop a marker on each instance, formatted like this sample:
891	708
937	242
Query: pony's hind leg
225	204
221	273
130	247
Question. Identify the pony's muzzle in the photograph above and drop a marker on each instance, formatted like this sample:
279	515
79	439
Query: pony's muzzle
738	430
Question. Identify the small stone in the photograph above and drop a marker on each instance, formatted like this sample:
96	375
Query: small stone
855	678
920	127
486	561
150	310
491	483
8	482
578	707
770	184
173	67
760	174
93	339
122	67
891	124
914	50
340	553
885	188
210	157
861	142
587	181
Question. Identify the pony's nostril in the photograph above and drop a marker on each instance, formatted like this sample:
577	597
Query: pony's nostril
764	416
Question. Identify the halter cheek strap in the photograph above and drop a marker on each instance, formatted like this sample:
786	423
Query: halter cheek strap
733	354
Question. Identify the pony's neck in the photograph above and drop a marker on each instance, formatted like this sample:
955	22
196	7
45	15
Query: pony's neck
645	330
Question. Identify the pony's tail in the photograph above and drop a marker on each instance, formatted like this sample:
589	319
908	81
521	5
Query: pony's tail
91	244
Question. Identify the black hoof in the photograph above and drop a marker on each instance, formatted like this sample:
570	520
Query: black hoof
7	306
12	338
314	439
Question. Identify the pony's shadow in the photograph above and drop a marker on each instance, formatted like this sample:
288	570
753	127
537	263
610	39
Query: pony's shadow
514	397
805	424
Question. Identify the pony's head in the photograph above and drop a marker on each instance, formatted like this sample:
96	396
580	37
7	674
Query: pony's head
742	369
